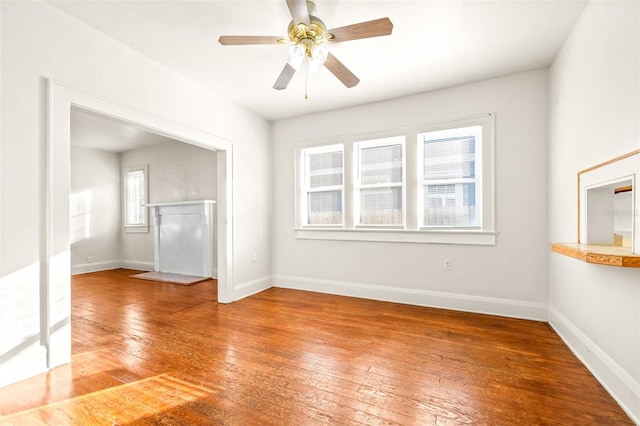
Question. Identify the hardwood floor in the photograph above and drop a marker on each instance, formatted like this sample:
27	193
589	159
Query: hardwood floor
152	353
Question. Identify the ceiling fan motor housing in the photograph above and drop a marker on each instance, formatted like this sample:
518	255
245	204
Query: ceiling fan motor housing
311	36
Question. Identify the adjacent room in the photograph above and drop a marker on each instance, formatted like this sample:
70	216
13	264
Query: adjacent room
117	171
413	212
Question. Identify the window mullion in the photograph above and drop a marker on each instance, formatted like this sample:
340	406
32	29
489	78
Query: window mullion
412	188
349	191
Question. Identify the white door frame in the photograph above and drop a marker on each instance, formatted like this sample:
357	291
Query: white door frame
56	269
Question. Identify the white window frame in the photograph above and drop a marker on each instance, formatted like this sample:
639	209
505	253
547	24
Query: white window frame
413	231
374	143
478	180
135	228
305	153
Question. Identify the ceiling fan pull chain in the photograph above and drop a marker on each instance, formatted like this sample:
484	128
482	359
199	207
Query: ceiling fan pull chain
306	78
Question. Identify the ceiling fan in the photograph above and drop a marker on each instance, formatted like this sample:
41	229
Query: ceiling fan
307	38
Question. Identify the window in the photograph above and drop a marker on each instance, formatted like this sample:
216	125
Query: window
323	183
425	184
135	199
451	179
381	182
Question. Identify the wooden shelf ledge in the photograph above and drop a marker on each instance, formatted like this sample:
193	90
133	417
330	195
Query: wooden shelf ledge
601	255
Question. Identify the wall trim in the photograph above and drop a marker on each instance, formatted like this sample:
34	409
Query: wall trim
248	288
84	268
434	299
620	385
134	264
55	246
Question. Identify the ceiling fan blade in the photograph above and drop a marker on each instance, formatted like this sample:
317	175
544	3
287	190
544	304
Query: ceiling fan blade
299	12
339	70
375	28
285	77
242	39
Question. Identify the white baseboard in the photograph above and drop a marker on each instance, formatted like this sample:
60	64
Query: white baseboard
85	268
132	264
622	387
240	291
478	304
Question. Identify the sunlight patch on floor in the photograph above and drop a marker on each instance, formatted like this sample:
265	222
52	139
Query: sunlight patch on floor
116	405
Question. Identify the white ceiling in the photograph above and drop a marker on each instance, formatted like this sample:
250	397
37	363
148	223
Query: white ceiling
435	44
97	131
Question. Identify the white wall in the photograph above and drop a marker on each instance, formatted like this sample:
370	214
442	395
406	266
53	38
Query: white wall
177	172
39	42
508	279
594	116
95	184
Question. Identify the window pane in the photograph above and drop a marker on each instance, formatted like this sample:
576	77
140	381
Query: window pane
325	169
452	205
449	174
325	208
381	164
381	206
450	157
136	198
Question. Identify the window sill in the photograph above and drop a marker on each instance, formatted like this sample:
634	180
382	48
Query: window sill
136	229
478	238
600	255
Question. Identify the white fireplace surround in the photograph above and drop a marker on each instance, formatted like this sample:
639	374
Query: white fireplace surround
184	237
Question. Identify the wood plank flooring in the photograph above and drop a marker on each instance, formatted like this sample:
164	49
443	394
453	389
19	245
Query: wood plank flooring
156	353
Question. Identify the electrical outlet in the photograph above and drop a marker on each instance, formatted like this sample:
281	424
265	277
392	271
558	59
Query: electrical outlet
89	259
446	264
254	257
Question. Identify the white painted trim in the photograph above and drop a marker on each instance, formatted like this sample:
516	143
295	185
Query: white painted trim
480	238
134	264
129	228
84	268
56	283
622	387
478	304
252	287
143	229
486	232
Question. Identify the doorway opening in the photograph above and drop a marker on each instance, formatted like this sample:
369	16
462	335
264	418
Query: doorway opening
56	238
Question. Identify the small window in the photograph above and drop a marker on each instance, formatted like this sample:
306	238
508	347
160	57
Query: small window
135	199
323	185
380	182
451	179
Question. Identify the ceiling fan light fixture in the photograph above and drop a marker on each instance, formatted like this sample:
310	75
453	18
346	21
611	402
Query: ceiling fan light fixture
297	53
318	57
307	38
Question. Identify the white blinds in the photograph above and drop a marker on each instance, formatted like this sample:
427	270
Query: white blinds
381	179
449	158
325	169
381	164
324	186
449	175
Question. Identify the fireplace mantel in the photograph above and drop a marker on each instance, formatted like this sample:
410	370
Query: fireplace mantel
184	237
